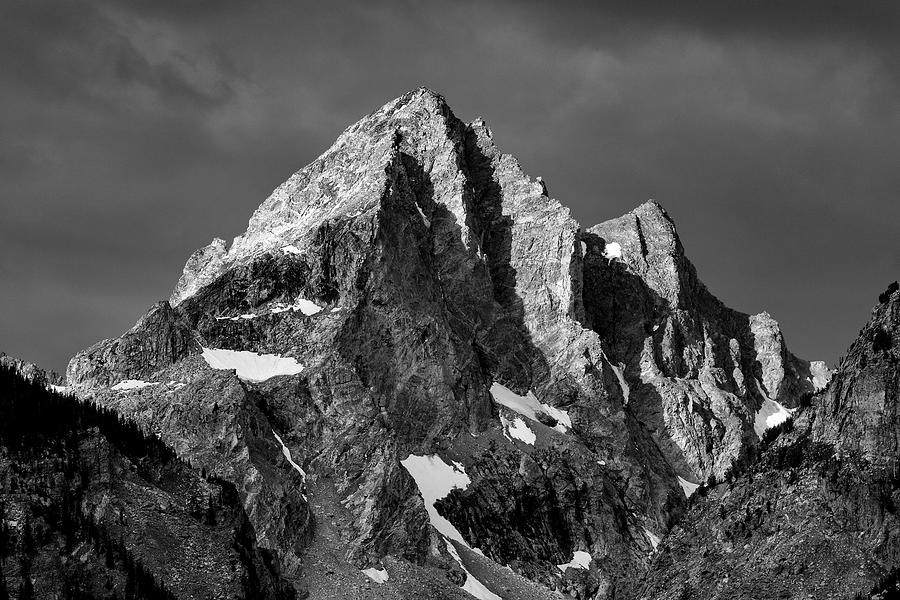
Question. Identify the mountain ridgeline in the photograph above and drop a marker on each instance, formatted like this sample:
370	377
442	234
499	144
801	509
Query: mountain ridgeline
415	375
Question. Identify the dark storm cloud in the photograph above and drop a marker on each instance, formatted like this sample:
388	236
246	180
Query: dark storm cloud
133	132
825	19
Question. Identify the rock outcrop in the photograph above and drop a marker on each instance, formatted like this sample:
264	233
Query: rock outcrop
698	372
815	515
413	293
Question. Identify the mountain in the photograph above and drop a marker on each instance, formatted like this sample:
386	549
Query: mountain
418	373
816	515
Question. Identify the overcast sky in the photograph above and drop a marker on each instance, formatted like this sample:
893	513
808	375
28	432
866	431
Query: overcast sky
131	133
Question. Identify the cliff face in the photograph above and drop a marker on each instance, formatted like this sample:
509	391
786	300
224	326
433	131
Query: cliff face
698	372
859	413
413	298
816	513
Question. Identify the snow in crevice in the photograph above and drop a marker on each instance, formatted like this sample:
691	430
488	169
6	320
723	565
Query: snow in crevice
307	307
580	560
435	479
131	384
376	575
251	366
529	406
247	316
652	538
770	415
290	249
422	214
287	454
688	487
472	585
612	250
620	376
517	429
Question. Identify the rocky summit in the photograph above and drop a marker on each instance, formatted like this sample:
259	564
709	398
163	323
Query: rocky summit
416	376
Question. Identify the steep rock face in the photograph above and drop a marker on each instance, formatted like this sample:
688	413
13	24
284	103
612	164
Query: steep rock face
408	272
698	372
816	514
157	340
859	412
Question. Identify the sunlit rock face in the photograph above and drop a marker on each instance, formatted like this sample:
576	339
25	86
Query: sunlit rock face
698	372
814	514
376	299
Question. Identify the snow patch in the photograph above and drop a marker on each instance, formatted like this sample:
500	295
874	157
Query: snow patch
251	366
435	479
529	406
59	389
131	384
307	307
654	539
471	585
376	575
290	249
518	429
237	318
422	214
771	414
287	454
688	487
612	250
580	560
617	369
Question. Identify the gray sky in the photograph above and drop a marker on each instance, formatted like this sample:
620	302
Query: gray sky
131	133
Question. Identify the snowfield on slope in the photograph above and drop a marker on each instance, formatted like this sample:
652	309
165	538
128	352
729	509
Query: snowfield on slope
529	406
287	454
580	560
612	250
688	487
771	414
435	479
131	384
251	366
376	575
517	429
307	307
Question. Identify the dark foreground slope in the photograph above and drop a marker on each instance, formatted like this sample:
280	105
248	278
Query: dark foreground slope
90	507
817	515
